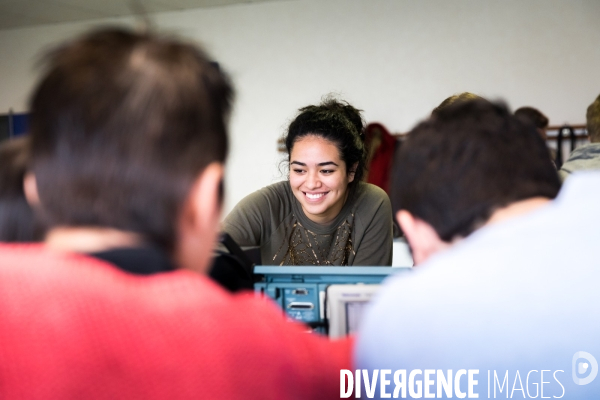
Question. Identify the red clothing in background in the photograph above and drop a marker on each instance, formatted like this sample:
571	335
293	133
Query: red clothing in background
382	146
75	327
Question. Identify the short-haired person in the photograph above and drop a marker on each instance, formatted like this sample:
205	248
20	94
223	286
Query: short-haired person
586	157
456	98
535	117
540	121
323	214
507	278
17	221
128	144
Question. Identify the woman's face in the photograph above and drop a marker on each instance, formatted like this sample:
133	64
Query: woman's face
318	178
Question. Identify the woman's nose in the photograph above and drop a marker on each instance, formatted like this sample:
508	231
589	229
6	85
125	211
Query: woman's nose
312	181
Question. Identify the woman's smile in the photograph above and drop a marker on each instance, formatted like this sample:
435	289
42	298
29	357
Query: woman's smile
314	197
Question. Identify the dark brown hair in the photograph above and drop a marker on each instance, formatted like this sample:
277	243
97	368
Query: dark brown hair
533	116
456	168
122	123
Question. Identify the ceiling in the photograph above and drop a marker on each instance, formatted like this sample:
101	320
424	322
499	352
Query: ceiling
26	13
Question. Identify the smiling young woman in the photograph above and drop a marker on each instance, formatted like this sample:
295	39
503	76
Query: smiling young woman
324	214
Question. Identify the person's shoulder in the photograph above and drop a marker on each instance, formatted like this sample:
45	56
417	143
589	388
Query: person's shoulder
584	152
276	191
49	264
82	275
588	148
369	192
266	200
82	280
281	188
371	200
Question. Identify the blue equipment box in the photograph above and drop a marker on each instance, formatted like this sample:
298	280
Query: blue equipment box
301	291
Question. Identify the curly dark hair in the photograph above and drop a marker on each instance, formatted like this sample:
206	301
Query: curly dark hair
338	122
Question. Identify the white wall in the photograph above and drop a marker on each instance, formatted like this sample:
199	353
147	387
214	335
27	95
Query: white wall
395	59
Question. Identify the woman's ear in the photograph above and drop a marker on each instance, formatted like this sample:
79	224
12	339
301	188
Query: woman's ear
352	172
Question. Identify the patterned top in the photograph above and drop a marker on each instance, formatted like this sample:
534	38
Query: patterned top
273	219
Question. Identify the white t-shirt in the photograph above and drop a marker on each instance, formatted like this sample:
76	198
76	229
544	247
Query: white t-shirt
513	299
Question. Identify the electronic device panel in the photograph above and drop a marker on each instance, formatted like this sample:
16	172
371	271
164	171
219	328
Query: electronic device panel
302	291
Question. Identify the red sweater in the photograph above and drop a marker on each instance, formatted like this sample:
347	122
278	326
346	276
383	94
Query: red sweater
75	327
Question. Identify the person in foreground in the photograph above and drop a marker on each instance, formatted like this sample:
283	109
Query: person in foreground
128	144
324	214
504	300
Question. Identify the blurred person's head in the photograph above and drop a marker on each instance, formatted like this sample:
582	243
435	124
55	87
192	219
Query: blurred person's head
456	98
593	121
535	117
329	137
129	135
469	164
17	221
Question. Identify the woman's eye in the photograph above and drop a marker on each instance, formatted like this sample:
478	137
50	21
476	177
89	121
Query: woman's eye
327	171
299	171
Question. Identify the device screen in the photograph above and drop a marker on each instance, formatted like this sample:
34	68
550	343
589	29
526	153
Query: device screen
354	313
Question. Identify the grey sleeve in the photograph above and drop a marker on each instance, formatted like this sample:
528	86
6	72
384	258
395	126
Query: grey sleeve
375	248
248	223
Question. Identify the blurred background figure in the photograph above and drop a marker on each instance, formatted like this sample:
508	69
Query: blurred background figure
535	117
540	121
17	221
586	157
456	98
